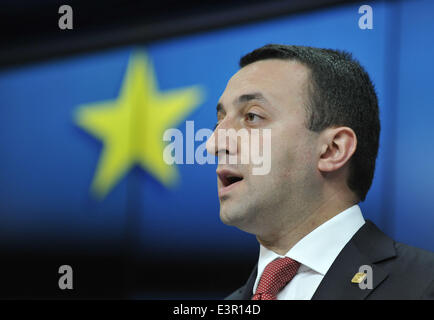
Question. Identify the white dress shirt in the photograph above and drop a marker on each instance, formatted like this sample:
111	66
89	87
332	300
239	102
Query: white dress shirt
315	252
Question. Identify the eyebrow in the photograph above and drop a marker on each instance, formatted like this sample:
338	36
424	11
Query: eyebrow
250	96
243	99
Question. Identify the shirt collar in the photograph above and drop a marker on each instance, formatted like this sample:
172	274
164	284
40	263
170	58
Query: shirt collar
319	249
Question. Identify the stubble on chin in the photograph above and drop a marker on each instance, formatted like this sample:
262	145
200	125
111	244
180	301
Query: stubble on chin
240	218
227	216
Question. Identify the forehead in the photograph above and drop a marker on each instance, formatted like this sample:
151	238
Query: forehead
279	81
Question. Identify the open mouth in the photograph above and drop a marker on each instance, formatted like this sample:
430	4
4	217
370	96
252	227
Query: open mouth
228	179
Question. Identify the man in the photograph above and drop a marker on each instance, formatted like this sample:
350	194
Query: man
322	111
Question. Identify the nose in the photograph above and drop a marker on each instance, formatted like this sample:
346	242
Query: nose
222	141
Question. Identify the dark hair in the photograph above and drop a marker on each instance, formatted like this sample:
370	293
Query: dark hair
340	94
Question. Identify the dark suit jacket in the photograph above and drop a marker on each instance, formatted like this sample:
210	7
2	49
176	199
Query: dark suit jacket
399	271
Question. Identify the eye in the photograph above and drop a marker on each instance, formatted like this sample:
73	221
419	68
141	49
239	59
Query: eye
252	117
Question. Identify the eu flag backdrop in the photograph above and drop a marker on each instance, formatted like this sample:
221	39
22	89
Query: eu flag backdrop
81	137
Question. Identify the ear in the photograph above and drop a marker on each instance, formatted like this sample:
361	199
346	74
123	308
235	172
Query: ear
336	147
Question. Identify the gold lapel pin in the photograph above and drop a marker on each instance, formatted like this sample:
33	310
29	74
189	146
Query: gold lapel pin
358	277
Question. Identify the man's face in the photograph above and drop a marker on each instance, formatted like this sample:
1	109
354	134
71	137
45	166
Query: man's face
268	94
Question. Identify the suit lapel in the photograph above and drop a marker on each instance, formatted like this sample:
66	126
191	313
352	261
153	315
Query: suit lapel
337	284
367	247
247	291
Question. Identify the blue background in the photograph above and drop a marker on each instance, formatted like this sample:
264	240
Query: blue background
47	163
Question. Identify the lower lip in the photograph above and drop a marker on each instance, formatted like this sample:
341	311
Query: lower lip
224	190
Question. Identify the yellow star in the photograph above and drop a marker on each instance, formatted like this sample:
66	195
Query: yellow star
132	126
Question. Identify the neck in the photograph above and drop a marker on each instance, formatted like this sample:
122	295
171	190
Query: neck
282	239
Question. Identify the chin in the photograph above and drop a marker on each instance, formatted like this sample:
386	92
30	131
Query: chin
236	219
226	218
230	217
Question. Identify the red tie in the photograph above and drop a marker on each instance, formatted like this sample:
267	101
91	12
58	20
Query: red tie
275	276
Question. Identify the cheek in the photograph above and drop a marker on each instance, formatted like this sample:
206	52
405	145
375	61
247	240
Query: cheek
260	146
293	160
282	159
